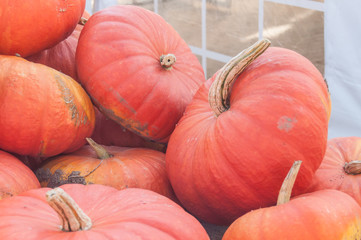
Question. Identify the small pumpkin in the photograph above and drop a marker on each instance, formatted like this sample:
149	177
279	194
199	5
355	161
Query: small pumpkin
28	27
242	130
96	212
118	167
137	69
62	56
341	167
43	112
15	176
324	214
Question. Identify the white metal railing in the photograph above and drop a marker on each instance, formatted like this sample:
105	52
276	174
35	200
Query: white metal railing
203	51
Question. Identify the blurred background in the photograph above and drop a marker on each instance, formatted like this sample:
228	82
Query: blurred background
216	30
327	32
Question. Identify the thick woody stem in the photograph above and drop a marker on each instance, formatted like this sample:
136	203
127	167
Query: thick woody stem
73	218
287	185
353	167
218	96
99	150
166	61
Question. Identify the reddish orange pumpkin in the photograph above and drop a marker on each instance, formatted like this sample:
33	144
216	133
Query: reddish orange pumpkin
95	212
62	56
235	143
341	167
118	167
324	214
15	176
28	27
137	69
44	112
110	133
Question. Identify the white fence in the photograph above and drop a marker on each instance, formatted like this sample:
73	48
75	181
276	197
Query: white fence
203	51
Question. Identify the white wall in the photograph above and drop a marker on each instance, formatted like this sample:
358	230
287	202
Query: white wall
343	65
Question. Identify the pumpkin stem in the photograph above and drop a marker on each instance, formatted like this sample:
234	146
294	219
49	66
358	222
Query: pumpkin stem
218	96
166	61
353	167
73	218
99	150
82	21
284	195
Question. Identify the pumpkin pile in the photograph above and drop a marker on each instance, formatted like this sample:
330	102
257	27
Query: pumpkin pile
109	130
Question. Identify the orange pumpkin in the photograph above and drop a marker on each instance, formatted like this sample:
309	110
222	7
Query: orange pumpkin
118	167
325	214
15	176
30	26
137	69
341	167
43	112
243	130
95	212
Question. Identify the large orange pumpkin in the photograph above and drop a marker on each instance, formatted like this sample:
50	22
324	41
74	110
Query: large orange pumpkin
137	69
28	27
15	176
118	167
95	212
234	145
341	167
324	214
43	112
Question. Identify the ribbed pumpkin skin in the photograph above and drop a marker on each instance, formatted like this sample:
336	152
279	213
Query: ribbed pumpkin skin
331	173
236	162
28	27
127	168
44	112
327	214
116	215
118	62
15	176
62	56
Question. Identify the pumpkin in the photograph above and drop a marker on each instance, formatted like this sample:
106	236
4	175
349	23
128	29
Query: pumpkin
95	212
15	176
324	214
244	128
340	167
28	27
110	133
62	56
44	112
118	167
137	69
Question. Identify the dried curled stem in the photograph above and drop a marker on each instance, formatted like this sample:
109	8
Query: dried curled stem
72	216
218	96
